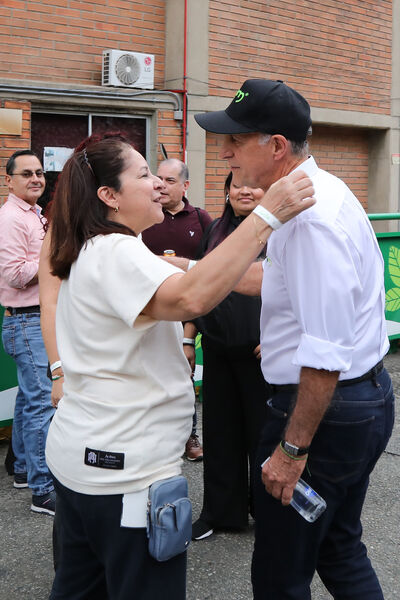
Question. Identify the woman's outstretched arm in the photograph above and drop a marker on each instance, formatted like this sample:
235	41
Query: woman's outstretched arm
185	296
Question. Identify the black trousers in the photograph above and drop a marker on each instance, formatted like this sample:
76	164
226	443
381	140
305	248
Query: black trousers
100	560
234	411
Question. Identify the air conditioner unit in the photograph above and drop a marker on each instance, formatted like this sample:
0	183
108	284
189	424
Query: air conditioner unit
128	69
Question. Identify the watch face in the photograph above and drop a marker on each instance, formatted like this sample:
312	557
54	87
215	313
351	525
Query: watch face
294	450
290	448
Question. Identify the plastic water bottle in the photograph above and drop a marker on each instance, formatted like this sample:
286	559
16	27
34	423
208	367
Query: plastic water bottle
307	502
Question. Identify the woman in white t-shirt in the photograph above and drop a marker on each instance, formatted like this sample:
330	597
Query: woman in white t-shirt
128	399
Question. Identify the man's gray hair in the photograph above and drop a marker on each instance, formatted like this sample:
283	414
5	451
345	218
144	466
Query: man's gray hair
298	148
264	138
183	172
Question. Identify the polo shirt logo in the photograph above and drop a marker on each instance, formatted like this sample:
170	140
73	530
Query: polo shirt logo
191	233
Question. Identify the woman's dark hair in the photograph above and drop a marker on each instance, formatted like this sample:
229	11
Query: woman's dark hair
77	213
221	229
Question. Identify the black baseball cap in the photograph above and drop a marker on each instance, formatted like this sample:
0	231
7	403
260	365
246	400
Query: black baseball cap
262	105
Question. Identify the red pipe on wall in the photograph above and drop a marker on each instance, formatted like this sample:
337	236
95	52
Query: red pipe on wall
183	91
184	122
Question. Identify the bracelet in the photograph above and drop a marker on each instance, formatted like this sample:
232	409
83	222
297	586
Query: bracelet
304	457
56	377
260	241
189	341
267	217
55	365
191	264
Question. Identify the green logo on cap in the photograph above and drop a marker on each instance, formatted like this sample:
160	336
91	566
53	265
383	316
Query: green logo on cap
240	95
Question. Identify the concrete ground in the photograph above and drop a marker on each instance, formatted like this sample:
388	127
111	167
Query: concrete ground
218	567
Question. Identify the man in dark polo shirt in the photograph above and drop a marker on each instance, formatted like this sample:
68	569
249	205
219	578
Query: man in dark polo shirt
181	231
183	224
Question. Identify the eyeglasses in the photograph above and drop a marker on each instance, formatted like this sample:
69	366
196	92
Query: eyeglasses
28	174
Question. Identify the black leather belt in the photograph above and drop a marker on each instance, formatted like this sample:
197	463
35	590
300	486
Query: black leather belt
368	375
20	310
292	387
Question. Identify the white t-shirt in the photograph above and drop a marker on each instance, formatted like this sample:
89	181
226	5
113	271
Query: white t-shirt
323	296
128	397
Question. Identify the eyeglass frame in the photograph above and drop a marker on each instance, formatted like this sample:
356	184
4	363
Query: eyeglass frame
28	173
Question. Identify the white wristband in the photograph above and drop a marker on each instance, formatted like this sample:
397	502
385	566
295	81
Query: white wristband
55	365
268	217
191	264
189	341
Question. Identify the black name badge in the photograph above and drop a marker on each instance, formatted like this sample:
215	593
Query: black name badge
103	459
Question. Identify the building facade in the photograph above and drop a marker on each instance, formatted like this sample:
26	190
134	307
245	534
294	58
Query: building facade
343	57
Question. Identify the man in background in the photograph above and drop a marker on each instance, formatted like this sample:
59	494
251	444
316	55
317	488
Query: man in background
22	229
184	224
181	231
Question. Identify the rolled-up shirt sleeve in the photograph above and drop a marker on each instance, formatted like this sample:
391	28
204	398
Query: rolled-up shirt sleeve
321	273
17	268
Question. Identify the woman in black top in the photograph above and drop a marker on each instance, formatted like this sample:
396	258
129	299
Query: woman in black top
234	390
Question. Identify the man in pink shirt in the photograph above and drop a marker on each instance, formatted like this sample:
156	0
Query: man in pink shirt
22	229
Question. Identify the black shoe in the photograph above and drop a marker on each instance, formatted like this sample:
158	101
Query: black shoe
20	480
44	504
201	530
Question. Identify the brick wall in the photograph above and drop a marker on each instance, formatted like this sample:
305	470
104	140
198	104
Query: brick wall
341	151
169	133
62	41
216	172
337	54
344	153
11	143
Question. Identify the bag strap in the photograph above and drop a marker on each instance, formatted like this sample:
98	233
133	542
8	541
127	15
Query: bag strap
200	218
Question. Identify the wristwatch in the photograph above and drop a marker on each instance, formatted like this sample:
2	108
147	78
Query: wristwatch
294	450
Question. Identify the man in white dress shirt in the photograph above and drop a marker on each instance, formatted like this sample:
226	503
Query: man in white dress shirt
323	338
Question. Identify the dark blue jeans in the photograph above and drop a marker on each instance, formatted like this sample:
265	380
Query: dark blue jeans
100	560
288	550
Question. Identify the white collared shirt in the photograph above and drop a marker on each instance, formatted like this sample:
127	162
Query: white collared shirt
323	295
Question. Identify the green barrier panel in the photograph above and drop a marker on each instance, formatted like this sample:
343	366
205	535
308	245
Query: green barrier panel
389	243
8	383
198	373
